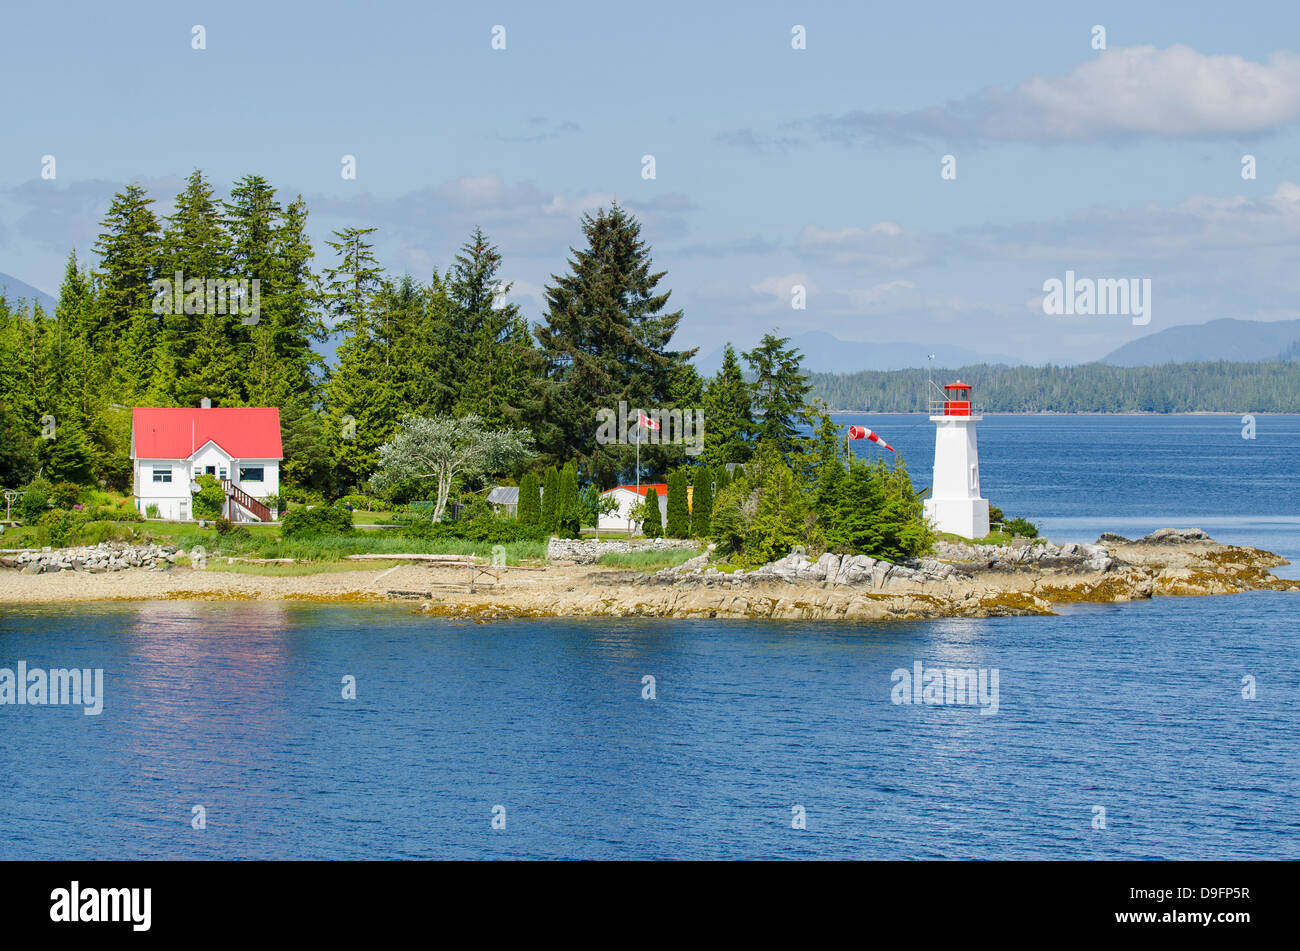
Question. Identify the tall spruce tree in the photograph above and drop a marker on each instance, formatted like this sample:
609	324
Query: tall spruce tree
493	352
361	406
605	339
728	417
779	390
198	353
126	330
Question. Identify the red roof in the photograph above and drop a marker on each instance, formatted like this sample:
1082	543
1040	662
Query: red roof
660	487
959	385
251	432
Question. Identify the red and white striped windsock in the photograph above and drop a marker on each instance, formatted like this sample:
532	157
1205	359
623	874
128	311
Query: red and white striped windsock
861	432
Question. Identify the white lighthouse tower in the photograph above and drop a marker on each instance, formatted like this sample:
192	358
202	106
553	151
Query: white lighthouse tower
955	504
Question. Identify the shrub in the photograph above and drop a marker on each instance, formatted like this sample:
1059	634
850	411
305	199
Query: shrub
1020	526
151	511
319	520
490	529
223	525
35	500
65	495
210	499
61	525
358	501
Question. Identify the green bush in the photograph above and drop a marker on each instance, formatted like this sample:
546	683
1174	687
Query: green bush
490	528
319	520
61	525
1020	526
35	500
358	502
210	499
151	511
65	495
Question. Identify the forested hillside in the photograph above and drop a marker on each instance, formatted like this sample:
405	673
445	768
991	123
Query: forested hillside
1090	388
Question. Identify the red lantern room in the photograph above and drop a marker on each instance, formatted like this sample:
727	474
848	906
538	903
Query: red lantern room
956	399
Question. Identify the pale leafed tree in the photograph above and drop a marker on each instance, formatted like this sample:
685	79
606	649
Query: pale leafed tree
444	447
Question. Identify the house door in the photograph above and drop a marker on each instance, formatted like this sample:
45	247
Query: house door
183	510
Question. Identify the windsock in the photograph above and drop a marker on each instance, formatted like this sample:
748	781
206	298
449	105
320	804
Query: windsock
861	432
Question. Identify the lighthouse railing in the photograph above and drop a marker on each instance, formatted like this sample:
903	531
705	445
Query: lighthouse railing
953	408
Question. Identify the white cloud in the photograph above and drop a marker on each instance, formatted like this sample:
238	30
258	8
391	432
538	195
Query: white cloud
1122	93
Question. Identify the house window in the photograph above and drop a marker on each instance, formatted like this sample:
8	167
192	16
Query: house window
161	474
223	473
251	473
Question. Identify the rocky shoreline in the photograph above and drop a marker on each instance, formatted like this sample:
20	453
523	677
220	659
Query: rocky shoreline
957	580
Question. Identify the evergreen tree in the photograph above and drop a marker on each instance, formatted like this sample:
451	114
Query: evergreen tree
530	499
783	517
679	515
721	479
702	502
568	512
605	339
550	499
197	353
652	524
779	389
17	460
493	350
361	405
728	418
126	328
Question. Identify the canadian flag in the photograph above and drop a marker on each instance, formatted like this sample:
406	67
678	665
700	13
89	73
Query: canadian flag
861	432
643	420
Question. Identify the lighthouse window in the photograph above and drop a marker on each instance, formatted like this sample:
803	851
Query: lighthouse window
974	477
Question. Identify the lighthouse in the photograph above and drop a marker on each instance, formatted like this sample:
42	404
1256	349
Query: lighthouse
955	504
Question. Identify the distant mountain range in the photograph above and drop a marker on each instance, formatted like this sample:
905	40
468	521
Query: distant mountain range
824	353
1237	341
15	290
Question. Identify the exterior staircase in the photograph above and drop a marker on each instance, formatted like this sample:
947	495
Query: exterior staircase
237	496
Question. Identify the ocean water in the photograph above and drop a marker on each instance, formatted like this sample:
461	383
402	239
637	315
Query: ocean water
1120	731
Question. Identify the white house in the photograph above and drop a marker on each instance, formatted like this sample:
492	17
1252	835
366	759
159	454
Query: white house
240	446
629	497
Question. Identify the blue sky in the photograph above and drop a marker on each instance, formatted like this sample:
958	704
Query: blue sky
774	166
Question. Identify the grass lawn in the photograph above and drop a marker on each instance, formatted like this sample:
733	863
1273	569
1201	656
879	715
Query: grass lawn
647	561
372	518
